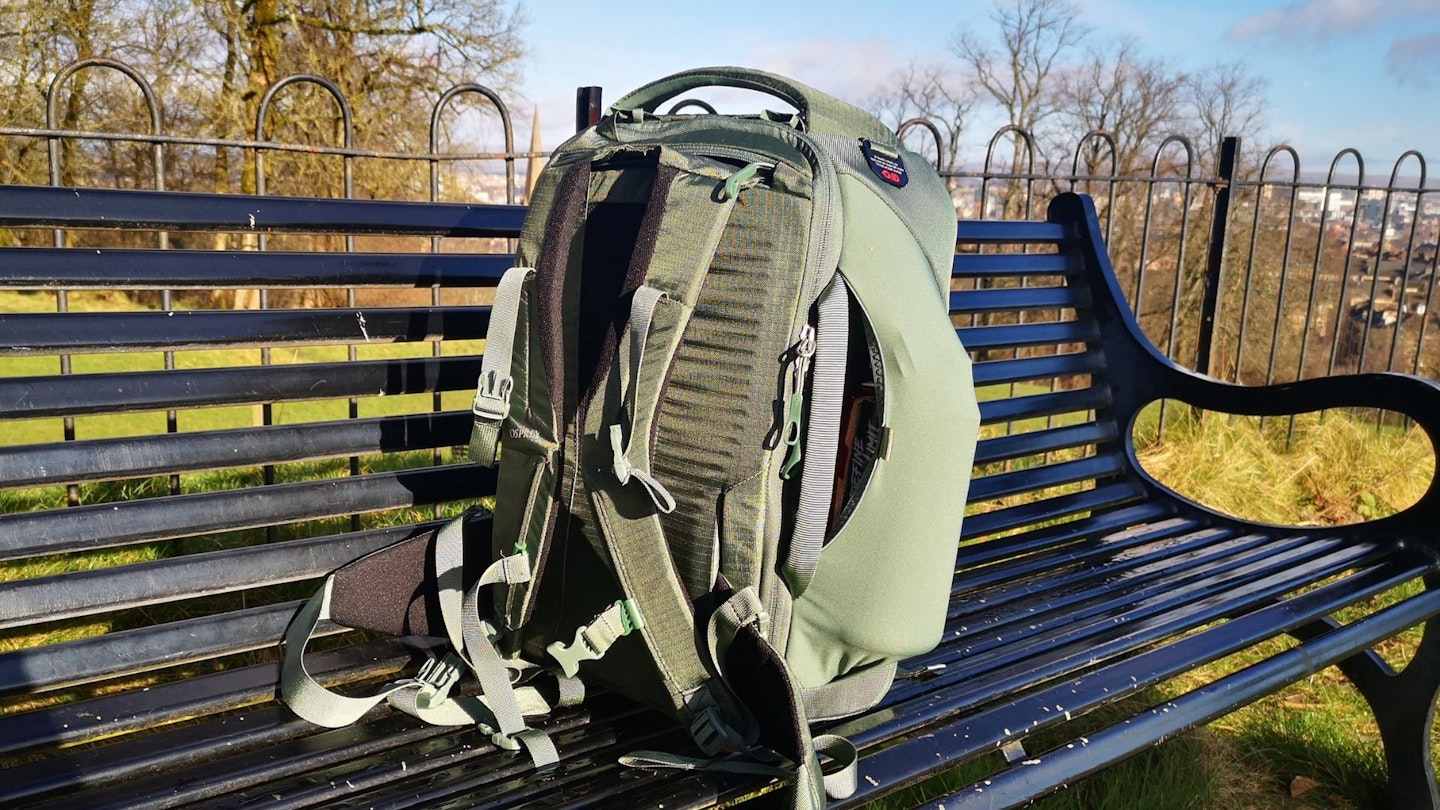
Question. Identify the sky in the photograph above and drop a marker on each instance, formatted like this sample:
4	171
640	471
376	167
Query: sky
1338	73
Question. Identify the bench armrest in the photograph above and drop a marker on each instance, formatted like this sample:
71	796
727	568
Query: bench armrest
1144	374
1417	398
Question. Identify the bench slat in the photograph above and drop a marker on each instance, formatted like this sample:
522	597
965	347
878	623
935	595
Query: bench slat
1103	496
1105	527
114	268
173	579
1034	479
1246	580
99	766
85	394
1011	232
199	696
134	457
94	332
1006	299
41	207
1024	369
1011	265
1002	448
458	769
998	411
140	651
1158	571
1075	646
109	525
962	738
1208	703
1014	336
1104	536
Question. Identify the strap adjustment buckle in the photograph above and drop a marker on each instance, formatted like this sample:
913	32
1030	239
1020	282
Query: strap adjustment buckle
437	676
492	396
712	734
593	640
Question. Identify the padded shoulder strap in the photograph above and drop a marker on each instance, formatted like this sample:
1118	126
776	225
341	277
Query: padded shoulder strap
497	380
688	213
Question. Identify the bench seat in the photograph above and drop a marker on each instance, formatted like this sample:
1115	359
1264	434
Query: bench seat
1081	581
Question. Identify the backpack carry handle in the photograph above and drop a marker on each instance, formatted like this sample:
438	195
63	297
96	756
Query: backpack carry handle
820	112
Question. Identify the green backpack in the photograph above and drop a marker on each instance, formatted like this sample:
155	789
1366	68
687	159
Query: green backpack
735	430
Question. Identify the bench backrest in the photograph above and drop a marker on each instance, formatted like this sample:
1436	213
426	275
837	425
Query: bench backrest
175	473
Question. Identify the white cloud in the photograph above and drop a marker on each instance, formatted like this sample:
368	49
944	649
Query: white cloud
1415	59
852	70
1319	19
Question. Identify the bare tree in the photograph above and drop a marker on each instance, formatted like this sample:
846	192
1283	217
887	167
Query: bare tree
928	92
1017	69
1135	99
1223	99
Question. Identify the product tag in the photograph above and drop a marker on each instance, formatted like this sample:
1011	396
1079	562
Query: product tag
886	164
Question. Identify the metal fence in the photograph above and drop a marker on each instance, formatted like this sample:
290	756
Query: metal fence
1250	269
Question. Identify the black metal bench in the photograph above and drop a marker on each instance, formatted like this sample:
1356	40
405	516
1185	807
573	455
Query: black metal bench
1101	585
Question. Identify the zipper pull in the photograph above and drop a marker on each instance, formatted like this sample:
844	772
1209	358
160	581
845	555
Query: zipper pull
790	435
744	178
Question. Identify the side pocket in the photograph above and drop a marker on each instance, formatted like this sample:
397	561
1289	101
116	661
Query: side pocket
883	581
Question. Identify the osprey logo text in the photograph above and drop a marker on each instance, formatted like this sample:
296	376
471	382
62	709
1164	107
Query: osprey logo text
528	434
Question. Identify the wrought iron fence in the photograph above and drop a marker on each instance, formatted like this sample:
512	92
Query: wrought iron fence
1251	270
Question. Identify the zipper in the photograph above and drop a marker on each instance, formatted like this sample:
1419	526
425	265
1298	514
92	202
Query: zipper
830	350
790	434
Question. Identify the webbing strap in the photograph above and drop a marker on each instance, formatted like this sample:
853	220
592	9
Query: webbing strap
840	775
471	637
734	613
299	688
449	570
427	695
636	466
492	393
661	760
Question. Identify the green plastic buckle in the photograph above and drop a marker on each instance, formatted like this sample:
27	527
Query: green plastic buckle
569	656
629	616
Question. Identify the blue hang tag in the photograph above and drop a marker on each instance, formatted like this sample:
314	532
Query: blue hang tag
886	164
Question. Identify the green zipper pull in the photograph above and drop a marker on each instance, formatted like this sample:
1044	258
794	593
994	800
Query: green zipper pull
791	433
744	178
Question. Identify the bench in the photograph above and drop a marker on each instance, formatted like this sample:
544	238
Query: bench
151	562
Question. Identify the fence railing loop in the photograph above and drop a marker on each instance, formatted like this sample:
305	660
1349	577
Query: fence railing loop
926	124
1189	148
506	126
347	119
1024	138
1105	137
152	106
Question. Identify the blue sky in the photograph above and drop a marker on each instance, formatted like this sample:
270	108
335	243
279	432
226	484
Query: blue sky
1339	73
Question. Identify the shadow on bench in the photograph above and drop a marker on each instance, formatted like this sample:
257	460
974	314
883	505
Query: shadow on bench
155	544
